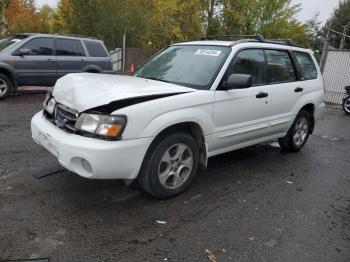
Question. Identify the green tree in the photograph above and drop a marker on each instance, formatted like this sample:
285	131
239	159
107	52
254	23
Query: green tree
172	21
339	19
46	19
157	23
105	19
3	21
314	34
211	17
23	16
273	19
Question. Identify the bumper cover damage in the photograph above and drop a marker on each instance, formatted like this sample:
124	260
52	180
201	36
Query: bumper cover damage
88	157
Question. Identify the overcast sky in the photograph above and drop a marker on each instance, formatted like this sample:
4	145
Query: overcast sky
325	7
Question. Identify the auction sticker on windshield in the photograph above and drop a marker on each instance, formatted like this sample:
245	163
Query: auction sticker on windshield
208	52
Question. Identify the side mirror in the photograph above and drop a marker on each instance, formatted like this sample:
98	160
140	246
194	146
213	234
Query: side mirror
23	51
237	81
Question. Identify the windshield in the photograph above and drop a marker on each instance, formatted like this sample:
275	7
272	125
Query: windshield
191	66
9	41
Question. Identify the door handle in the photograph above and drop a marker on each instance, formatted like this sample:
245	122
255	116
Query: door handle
298	89
262	95
50	61
83	60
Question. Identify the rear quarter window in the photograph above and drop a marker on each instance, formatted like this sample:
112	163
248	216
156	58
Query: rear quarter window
95	49
306	65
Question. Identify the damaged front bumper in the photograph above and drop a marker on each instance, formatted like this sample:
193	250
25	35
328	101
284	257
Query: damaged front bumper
89	157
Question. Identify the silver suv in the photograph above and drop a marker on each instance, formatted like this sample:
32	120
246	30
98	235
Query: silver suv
40	59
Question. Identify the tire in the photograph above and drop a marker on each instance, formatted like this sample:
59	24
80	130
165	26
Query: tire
170	165
346	105
293	142
6	86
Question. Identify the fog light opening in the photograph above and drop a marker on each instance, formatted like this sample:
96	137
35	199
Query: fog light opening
86	165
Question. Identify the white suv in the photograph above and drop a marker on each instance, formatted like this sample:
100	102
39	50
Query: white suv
191	101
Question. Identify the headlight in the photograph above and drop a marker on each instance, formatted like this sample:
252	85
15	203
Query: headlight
49	103
101	125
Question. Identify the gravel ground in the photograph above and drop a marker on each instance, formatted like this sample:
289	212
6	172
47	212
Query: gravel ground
254	204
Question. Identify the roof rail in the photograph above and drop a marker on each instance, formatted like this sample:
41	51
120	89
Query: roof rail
234	37
253	38
78	36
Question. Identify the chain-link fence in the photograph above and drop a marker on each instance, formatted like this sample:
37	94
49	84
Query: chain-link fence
336	75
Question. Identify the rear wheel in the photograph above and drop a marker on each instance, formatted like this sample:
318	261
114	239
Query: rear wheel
346	105
170	166
297	134
5	86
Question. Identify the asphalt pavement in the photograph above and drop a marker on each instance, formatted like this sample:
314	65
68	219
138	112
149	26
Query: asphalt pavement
254	204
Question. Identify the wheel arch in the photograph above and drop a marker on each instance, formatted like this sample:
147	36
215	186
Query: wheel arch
189	127
310	108
92	69
10	74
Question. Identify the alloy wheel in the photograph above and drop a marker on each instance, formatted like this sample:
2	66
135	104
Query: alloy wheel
175	166
301	131
3	87
347	105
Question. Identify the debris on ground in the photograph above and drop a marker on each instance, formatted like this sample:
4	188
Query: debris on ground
197	196
161	222
289	182
270	243
252	238
210	255
332	138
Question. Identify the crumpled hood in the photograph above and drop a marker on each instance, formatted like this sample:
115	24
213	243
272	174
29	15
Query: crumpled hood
86	90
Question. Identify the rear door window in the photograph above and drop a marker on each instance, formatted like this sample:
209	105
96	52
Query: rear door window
39	46
306	65
280	67
69	47
95	49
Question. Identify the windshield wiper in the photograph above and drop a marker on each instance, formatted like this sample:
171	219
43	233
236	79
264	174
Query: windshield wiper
157	79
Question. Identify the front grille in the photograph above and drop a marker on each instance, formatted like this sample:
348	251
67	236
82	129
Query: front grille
65	118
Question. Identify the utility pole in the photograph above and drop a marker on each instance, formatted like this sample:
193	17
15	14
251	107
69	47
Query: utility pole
325	47
124	49
342	42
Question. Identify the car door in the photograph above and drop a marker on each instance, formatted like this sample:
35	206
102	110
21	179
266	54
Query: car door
98	55
36	64
309	81
241	115
70	56
284	90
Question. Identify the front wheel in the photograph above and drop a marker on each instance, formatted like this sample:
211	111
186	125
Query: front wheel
170	166
5	86
297	134
346	105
